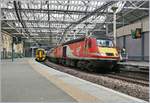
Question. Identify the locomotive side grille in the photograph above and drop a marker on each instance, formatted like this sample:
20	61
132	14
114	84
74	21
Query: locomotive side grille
109	54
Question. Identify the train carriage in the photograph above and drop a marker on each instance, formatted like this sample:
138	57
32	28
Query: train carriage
86	53
40	55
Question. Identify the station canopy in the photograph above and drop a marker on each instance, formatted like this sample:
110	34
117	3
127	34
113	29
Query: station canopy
44	19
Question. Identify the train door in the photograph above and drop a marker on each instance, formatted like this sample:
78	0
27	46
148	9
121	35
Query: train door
86	47
64	51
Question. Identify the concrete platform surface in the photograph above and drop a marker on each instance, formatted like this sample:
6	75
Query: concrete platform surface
20	83
28	80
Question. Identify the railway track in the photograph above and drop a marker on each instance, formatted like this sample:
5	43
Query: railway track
132	86
120	76
137	71
129	79
132	75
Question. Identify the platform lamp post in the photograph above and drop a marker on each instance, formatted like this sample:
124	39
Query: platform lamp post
114	9
32	49
74	35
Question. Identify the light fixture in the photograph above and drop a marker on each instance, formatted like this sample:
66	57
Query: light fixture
104	25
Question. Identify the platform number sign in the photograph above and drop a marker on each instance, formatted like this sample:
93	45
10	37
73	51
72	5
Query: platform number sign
136	33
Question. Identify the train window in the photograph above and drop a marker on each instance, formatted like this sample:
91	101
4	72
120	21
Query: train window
41	52
104	43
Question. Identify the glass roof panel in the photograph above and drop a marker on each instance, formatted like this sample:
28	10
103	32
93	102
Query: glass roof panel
63	14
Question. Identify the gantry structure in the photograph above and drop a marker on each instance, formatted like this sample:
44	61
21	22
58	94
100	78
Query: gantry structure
61	20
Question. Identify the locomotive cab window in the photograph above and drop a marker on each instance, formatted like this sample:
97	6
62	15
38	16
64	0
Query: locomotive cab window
105	43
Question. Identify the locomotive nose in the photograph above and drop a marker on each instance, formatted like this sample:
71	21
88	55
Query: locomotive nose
108	51
40	54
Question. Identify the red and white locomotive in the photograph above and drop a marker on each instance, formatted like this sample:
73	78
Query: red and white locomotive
86	53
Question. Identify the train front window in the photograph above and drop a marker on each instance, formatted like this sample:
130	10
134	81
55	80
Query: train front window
105	43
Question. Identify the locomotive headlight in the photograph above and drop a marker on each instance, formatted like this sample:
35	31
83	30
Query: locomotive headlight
103	54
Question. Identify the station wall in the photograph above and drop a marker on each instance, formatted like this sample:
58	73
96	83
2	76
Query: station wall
137	49
7	47
143	23
146	46
133	46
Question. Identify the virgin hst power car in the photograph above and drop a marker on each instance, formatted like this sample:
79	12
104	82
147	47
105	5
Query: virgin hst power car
89	53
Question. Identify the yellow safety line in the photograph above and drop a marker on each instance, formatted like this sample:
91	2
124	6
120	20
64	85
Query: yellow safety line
76	93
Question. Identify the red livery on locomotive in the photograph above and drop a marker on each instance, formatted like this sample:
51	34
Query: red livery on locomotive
86	53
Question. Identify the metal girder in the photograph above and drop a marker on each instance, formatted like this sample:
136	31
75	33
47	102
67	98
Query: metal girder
60	22
76	16
54	11
52	28
19	15
137	8
130	11
42	21
63	4
12	27
33	28
48	13
87	16
58	3
34	32
48	37
92	13
43	33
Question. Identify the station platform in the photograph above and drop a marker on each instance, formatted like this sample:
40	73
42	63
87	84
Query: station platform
135	63
26	80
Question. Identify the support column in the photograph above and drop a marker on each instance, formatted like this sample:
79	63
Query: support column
32	52
74	35
106	29
1	46
12	52
114	23
87	32
142	46
124	42
114	27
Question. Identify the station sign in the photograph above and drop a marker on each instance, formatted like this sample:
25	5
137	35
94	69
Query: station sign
137	33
